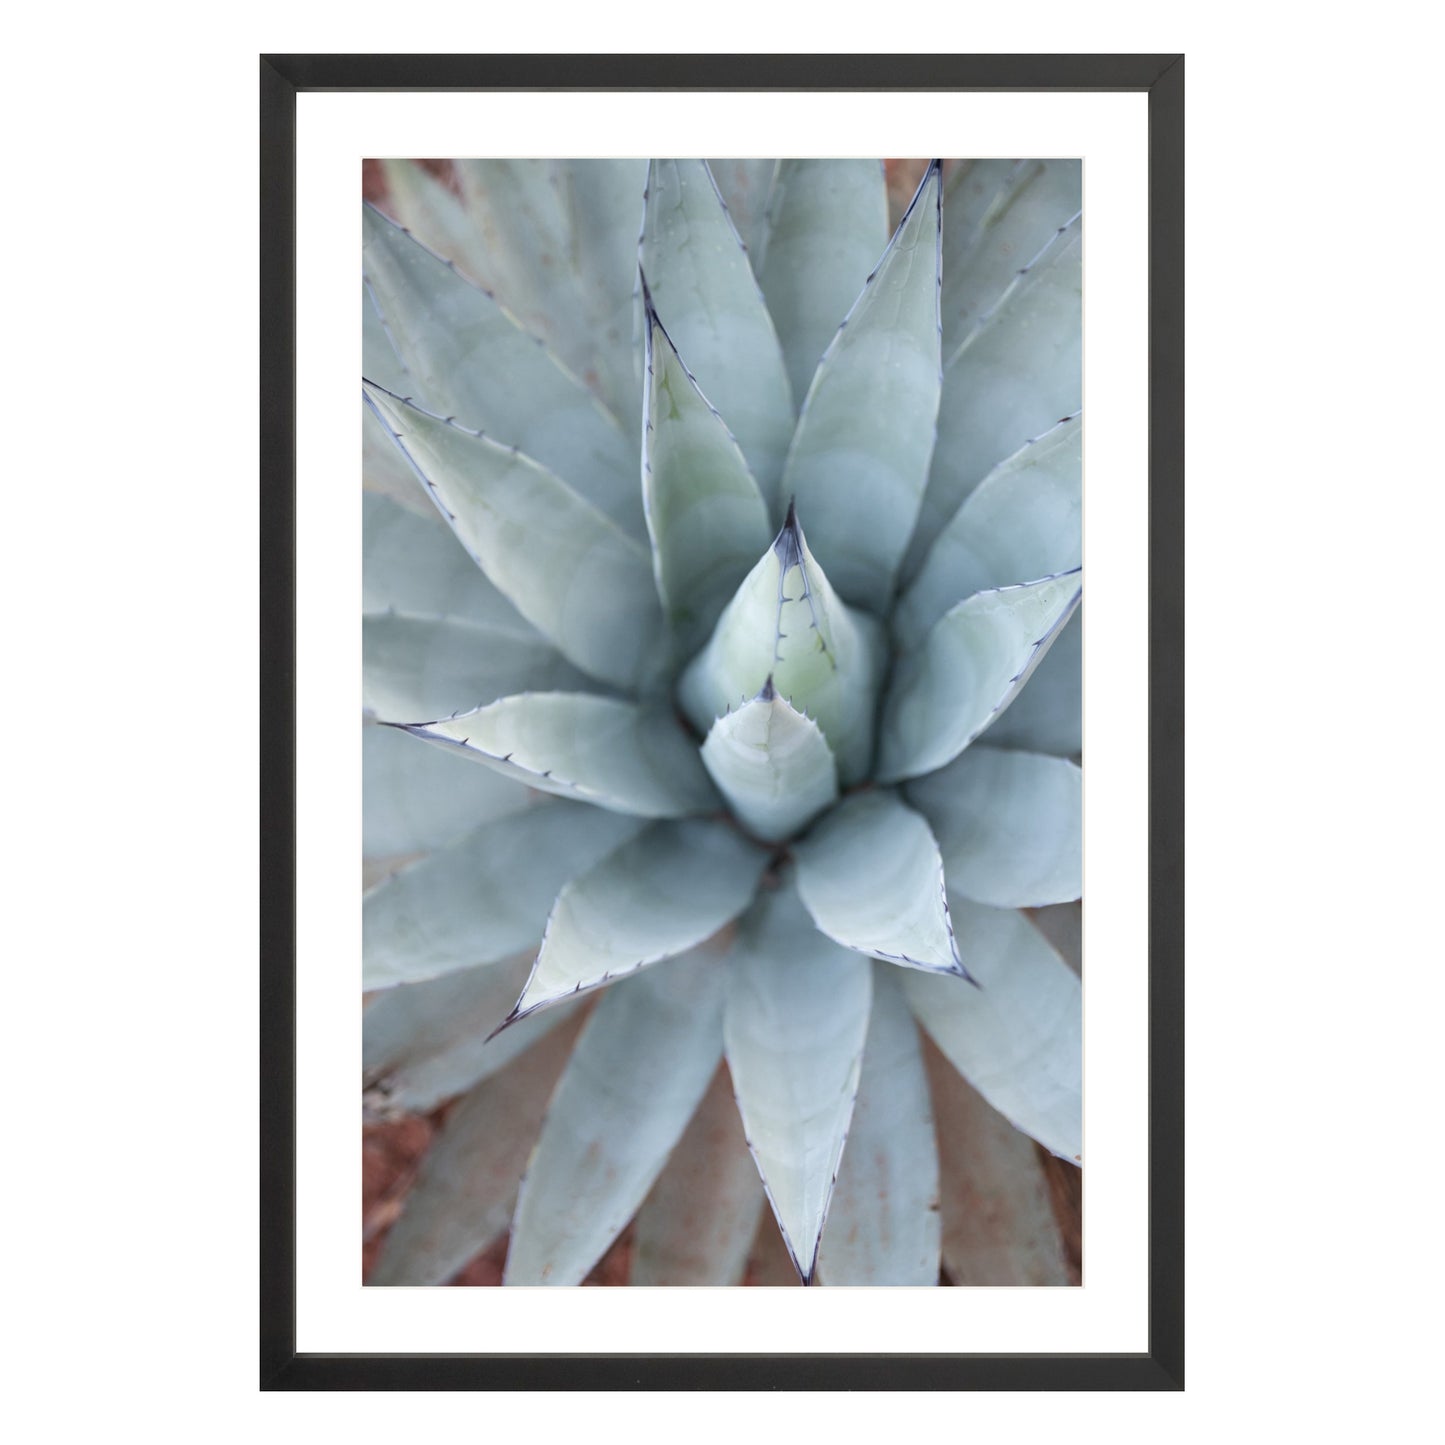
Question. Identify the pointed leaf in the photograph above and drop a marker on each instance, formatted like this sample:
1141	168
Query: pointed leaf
1048	715
598	750
411	563
697	1224
559	241
883	1226
378	355
705	293
1009	825
769	1263
636	1076
423	1043
518	212
385	472
413	799
425	205
603	199
997	215
772	764
469	359
1013	376
1023	522
463	1195
1018	1039
871	876
795	1022
787	623
547	549
827	225
591	230
859	460
484	896
707	520
744	186
426	667
667	890
999	1227
971	666
516	208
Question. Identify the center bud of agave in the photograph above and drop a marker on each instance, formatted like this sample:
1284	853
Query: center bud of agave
783	679
785	691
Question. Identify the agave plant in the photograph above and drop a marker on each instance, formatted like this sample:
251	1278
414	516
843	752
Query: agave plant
711	537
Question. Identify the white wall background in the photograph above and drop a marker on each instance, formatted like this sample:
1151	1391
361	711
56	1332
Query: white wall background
1314	773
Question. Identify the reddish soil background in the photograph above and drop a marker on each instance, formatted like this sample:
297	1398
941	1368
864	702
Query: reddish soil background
390	1155
903	178
391	1152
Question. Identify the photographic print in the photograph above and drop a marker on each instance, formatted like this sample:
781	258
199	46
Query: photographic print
722	733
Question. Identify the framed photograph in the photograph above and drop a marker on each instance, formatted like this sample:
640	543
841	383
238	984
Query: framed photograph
724	683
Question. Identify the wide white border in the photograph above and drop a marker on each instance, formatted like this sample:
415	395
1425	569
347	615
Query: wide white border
1109	1314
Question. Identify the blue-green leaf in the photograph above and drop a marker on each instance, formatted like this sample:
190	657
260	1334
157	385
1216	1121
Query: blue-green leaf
423	1043
603	200
883	1225
517	211
1016	373
426	206
468	358
1023	522
379	360
566	567
997	215
599	750
696	1225
1009	825
1019	1039
413	799
636	1076
464	1192
516	206
795	1022
666	891
560	241
999	1226
1048	715
971	666
745	186
772	764
415	564
484	896
859	459
707	520
709	301
827	223
786	623
385	472
419	668
871	875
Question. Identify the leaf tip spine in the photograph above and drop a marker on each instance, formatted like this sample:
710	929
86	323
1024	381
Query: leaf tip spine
788	544
514	1017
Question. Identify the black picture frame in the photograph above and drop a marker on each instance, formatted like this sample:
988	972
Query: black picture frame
282	77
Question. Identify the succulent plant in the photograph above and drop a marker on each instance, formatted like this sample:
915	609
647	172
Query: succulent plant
711	537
